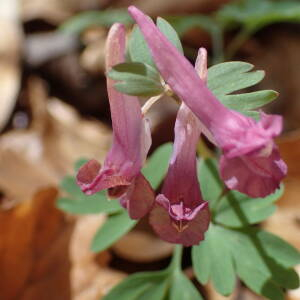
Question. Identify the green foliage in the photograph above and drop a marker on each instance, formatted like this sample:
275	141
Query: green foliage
170	284
137	48
255	14
250	254
229	77
78	203
136	79
113	229
139	76
169	32
232	248
80	22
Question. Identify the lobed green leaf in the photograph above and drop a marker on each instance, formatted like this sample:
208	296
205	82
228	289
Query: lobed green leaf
261	260
239	210
220	266
182	288
137	79
113	229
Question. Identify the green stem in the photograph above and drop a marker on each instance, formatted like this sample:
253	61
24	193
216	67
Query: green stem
176	258
216	205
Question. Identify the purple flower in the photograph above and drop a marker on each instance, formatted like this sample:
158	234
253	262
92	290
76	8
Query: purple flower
250	162
120	173
180	214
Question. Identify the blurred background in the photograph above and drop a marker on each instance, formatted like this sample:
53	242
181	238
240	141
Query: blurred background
54	110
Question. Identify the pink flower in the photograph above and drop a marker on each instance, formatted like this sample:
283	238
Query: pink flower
180	214
120	173
250	162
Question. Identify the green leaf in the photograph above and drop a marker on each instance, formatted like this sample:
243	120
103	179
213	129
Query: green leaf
274	246
113	229
169	32
138	49
239	210
232	76
251	260
248	101
215	249
202	260
141	286
106	18
256	260
229	77
137	79
255	14
79	203
157	165
210	183
88	205
182	288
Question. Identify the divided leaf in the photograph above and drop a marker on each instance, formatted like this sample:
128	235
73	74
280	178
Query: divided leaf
144	286
251	254
217	265
239	210
112	230
229	77
162	285
137	79
182	288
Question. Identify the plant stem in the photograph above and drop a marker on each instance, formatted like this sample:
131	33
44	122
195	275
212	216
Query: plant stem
176	258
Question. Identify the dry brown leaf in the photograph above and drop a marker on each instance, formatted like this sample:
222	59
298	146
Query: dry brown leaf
89	279
42	155
33	242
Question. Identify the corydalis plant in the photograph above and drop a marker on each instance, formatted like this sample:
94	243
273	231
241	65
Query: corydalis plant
250	162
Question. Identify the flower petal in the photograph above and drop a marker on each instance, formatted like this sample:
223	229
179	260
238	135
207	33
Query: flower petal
191	235
92	179
254	175
139	198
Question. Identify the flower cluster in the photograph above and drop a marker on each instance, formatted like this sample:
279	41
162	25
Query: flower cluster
250	161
